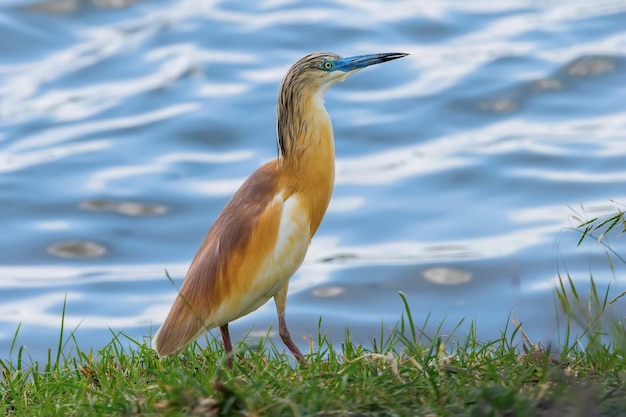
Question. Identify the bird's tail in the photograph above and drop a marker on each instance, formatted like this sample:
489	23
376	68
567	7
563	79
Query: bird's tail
181	327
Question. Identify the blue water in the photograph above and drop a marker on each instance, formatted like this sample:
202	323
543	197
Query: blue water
461	169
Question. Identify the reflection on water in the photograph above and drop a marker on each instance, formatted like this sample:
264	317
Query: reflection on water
590	66
327	291
126	126
77	249
128	208
447	276
69	6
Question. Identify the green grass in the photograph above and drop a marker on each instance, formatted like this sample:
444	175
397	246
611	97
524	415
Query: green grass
404	372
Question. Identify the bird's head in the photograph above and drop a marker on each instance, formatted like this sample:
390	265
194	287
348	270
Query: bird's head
321	70
302	90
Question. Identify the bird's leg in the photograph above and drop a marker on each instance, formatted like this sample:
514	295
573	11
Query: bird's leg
283	331
281	300
228	347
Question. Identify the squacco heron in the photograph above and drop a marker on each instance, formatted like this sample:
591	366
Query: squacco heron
261	237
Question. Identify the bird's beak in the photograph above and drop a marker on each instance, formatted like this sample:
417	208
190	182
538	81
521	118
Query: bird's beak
362	61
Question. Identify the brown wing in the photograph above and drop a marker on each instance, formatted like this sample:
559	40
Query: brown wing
234	253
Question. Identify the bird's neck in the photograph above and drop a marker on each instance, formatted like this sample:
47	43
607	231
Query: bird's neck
307	155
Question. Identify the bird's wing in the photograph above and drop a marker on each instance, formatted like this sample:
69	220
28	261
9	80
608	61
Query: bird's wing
256	244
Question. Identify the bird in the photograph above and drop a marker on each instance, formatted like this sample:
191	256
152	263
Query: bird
261	237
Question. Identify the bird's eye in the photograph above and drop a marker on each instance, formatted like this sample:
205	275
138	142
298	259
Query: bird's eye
327	65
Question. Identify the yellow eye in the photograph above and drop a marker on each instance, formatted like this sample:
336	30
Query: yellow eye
327	65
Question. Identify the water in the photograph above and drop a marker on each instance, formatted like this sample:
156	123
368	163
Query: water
460	169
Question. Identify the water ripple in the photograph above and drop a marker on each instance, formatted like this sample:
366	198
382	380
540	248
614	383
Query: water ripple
126	126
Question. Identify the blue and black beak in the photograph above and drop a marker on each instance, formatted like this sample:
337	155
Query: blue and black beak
362	61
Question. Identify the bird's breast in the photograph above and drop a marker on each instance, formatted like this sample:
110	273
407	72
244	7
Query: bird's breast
289	249
278	259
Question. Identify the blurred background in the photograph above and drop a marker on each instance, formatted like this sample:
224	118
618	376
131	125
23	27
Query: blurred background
125	127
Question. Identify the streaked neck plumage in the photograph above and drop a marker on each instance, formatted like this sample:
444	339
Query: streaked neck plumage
305	144
300	116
